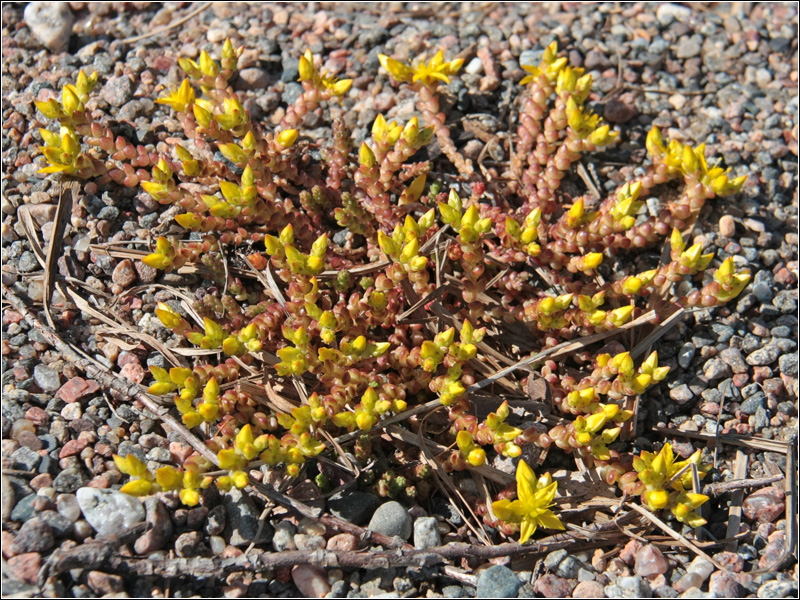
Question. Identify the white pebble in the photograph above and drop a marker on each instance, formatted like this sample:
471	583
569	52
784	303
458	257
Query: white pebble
67	505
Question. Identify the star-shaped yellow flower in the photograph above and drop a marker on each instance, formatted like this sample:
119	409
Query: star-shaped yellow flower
424	72
532	506
308	72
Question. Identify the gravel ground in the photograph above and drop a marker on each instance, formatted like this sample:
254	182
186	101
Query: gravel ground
721	73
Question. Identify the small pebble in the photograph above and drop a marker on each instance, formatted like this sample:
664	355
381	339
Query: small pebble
500	582
392	519
764	505
650	561
311	581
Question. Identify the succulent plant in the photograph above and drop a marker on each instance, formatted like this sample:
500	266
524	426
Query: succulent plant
353	318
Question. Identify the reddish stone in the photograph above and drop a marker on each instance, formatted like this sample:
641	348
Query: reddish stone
785	277
283	574
42	480
72	447
629	552
724	585
133	372
180	452
740	380
162	63
761	374
616	111
731	561
127	358
100	482
7	538
231	552
343	542
551	586
11	316
103	583
25	567
37	416
588	589
650	561
764	505
29	440
76	388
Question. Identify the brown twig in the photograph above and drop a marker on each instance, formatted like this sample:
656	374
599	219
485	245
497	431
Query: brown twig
735	508
102	555
173	25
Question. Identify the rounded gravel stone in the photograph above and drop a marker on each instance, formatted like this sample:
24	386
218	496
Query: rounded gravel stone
498	582
392	519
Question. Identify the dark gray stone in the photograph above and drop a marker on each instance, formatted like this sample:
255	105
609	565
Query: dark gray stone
498	582
242	523
355	507
392	519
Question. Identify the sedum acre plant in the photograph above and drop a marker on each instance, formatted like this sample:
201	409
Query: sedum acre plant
424	292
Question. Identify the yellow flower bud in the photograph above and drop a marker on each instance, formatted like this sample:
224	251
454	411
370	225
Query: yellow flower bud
656	499
365	156
287	137
655	142
477	457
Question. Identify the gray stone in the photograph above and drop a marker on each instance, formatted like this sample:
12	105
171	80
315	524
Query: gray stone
629	587
668	12
7	498
686	355
681	394
355	507
689	47
23	510
765	355
283	537
759	420
242	525
569	568
59	524
25	459
498	582
117	90
701	566
392	519
753	403
778	589
552	560
788	364
215	521
786	302
109	512
160	528
46	378
426	533
50	23
69	480
733	356
716	369
34	536
453	591
762	292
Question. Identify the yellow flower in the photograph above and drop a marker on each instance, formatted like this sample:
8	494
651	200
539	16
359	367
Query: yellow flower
179	99
532	507
426	73
63	152
308	72
550	66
